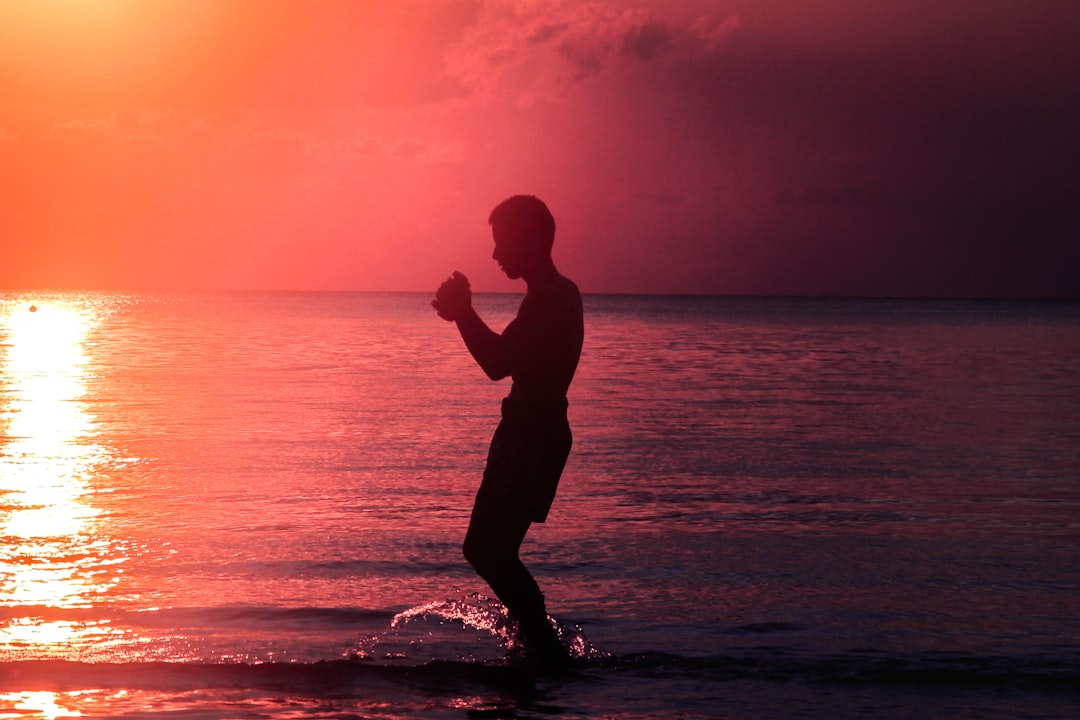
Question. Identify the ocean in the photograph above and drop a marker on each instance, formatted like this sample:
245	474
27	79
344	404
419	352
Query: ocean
251	505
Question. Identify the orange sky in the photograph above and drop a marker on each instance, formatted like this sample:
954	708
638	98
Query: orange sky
750	146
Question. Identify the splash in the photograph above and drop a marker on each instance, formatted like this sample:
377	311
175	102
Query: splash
473	629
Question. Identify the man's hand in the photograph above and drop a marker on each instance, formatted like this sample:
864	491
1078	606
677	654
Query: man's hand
453	298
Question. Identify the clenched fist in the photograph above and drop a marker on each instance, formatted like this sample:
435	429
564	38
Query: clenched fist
453	298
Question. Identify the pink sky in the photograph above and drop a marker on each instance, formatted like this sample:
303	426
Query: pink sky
742	147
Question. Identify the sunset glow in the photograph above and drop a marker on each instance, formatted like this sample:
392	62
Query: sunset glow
746	147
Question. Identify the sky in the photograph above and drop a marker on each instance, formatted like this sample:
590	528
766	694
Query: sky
831	147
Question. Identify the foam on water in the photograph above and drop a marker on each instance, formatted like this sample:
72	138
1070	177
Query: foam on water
474	628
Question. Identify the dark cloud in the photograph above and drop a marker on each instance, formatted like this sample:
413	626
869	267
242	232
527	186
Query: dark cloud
544	33
647	40
544	51
584	60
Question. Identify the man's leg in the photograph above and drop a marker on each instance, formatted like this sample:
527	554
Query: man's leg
491	547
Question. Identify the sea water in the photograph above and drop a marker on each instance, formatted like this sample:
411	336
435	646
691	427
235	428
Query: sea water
251	505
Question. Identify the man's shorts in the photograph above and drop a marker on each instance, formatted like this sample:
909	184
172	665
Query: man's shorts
526	459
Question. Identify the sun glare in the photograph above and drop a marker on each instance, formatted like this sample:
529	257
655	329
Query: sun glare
47	451
43	704
48	556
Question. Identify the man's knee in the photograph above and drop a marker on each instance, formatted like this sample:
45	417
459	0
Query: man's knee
471	550
474	547
484	555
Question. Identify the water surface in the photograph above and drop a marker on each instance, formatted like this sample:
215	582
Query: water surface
251	505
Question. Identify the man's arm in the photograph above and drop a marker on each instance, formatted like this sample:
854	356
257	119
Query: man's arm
485	345
453	301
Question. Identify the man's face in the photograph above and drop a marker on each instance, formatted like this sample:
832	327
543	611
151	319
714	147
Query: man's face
508	253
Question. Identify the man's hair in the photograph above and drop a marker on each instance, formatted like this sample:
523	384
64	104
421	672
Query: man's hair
528	218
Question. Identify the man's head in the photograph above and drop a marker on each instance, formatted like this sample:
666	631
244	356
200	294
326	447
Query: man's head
524	232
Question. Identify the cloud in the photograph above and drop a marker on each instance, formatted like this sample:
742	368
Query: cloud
412	149
418	150
103	126
547	32
541	52
647	40
124	126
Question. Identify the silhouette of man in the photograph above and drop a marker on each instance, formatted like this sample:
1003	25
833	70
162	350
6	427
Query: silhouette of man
539	350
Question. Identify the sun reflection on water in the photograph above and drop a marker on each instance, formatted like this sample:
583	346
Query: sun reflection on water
49	557
42	704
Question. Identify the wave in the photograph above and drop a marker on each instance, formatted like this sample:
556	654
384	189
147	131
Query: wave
871	668
224	615
857	668
458	644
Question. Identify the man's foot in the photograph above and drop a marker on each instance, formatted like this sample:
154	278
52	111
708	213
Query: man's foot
544	650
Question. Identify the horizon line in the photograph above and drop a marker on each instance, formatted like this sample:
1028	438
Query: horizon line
620	293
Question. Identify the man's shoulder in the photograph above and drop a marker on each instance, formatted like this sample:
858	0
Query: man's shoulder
558	297
557	288
569	285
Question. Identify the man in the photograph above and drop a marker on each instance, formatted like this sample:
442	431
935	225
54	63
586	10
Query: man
539	350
